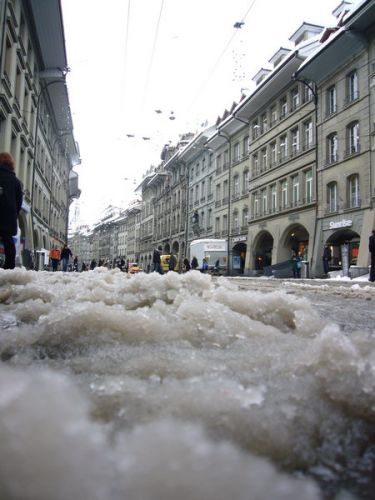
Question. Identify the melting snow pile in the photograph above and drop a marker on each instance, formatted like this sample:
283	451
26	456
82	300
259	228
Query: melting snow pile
163	387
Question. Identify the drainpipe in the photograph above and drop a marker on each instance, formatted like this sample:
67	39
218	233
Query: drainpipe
314	90
227	138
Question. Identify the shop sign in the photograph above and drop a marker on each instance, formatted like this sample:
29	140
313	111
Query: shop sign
341	223
236	239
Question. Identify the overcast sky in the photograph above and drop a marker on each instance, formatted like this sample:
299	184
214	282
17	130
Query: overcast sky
130	58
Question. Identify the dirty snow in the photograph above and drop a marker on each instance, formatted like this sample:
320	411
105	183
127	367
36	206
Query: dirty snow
178	386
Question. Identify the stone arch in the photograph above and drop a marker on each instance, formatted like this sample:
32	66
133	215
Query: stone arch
262	250
167	249
175	247
295	238
239	257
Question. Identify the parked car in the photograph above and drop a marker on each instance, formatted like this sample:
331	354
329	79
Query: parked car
134	268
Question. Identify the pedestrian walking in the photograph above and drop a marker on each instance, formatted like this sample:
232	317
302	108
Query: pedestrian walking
55	256
156	260
10	205
204	266
194	263
172	262
297	264
65	254
75	264
327	256
371	247
186	265
93	264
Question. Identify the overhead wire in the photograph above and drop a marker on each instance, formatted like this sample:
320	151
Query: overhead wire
213	69
148	74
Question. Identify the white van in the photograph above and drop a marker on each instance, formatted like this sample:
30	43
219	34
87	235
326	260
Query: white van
211	249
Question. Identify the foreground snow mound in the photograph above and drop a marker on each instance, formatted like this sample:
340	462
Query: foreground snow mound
182	381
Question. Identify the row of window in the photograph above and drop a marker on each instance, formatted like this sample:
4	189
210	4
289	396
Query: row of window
292	191
286	146
352	195
352	145
352	93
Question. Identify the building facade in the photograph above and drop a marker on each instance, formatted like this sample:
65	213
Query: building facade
35	120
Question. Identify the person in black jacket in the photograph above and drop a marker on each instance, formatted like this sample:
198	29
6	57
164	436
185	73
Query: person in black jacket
371	247
10	206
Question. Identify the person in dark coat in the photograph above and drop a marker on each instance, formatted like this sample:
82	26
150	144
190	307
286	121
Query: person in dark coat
327	256
186	265
194	263
10	205
65	254
371	247
156	260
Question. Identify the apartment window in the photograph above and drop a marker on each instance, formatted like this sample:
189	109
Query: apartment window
245	145
273	115
308	186
295	190
331	100
203	189
283	107
308	134
255	129
218	192
226	158
196	193
245	181
209	218
283	147
284	193
295	98
209	187
219	160
264	122
236	185
353	90
245	217
332	148
264	158
264	201
225	189
256	204
353	138
236	152
353	185
217	225
273	198
307	92
236	222
225	222
273	153
332	197
295	140
255	164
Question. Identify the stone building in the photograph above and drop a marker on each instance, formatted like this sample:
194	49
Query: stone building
343	71
35	120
